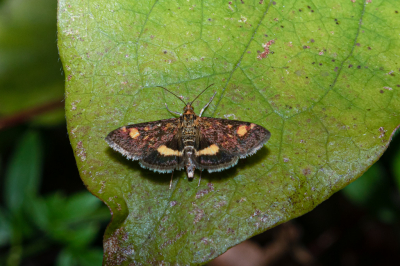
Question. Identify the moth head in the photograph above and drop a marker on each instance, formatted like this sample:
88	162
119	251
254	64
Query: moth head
188	109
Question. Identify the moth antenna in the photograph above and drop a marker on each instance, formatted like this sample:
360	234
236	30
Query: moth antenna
201	93
173	94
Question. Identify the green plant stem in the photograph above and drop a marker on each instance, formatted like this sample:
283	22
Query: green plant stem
28	114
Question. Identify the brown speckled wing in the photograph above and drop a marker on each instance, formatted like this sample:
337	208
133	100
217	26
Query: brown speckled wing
235	138
139	141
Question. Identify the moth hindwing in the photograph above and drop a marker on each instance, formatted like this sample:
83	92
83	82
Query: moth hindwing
190	142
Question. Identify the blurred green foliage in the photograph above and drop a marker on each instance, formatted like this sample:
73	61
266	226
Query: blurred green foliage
377	190
370	192
30	70
31	223
396	168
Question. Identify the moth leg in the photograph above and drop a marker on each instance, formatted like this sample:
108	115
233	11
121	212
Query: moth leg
202	110
201	171
177	113
170	182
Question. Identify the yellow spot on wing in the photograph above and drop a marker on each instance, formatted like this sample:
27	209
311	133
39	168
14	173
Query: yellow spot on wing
252	126
134	133
211	150
241	131
230	126
164	150
123	129
146	128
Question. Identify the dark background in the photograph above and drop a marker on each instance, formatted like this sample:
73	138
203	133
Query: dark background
47	217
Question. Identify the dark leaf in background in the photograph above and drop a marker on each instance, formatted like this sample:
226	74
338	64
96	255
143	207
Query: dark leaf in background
24	172
30	71
396	168
65	258
4	228
69	257
362	190
374	192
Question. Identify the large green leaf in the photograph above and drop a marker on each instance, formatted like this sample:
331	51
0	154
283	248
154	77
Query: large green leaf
329	94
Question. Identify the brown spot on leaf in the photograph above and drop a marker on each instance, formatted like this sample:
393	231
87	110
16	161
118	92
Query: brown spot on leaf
74	103
382	131
230	231
266	49
199	214
80	151
306	171
112	249
172	241
220	204
201	193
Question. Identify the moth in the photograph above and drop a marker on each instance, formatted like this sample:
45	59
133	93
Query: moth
190	141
